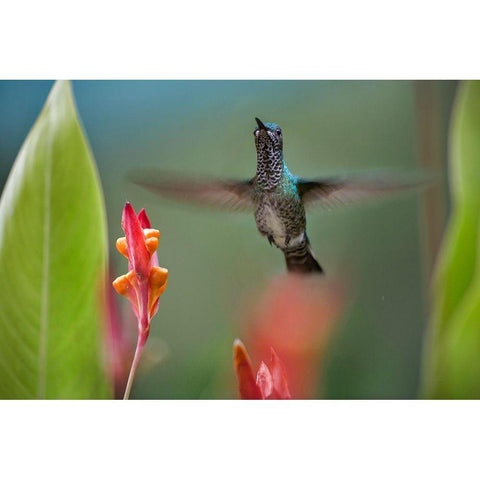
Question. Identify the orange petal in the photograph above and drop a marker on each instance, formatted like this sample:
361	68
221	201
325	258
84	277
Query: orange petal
125	286
158	277
247	385
151	233
158	284
122	246
122	285
152	244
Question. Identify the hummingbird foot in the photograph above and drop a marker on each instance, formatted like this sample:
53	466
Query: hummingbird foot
270	240
287	240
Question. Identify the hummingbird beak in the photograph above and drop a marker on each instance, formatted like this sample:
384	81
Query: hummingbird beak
260	124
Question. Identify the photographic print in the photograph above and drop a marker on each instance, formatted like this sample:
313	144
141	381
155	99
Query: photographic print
276	239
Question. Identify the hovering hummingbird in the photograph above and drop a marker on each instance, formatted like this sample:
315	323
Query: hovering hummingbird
277	197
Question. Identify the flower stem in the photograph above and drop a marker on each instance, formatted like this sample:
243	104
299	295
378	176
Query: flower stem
133	369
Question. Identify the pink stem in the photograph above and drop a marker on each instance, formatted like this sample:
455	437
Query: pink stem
133	368
143	329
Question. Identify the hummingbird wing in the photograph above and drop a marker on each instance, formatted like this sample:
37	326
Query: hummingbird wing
333	191
228	195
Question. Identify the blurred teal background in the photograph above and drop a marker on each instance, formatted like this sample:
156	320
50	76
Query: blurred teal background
382	250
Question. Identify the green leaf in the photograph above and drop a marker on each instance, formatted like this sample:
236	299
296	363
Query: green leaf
52	262
453	348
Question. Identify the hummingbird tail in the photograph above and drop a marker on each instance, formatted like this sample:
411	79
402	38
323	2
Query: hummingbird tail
301	259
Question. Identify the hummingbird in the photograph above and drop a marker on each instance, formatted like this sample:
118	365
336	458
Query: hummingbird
275	196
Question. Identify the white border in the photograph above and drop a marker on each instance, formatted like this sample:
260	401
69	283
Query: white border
225	40
372	39
240	439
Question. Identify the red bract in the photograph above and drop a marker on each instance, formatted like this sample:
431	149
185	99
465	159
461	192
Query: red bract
145	281
270	382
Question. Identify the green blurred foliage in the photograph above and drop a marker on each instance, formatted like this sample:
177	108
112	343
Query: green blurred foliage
452	363
52	259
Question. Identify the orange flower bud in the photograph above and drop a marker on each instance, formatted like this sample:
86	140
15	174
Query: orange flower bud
157	283
151	233
152	244
122	285
122	246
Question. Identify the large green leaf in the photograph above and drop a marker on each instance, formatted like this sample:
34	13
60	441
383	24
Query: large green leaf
52	262
453	348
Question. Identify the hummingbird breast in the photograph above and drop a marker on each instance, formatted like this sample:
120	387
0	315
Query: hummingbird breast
281	219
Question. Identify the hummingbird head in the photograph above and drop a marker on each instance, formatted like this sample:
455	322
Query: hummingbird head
269	144
268	137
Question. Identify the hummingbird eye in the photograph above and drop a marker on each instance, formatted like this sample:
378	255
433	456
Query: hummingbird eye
278	131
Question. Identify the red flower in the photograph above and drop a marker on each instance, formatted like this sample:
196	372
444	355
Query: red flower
145	280
296	315
270	383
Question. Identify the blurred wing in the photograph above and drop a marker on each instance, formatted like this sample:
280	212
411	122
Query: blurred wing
228	195
332	192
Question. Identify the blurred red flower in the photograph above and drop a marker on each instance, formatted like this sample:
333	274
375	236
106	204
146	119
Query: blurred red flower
295	314
270	382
